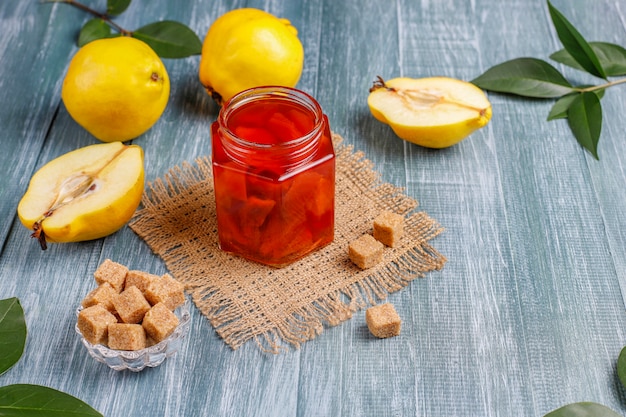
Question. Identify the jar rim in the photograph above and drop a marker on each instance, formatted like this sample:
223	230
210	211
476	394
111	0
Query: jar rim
270	91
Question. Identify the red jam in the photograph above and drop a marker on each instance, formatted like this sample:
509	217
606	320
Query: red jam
274	175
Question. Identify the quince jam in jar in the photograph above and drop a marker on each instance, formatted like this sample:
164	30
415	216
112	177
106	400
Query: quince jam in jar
274	175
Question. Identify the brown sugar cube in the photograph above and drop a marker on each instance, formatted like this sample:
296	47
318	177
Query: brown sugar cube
159	322
131	305
139	279
125	336
167	290
93	323
383	320
389	228
365	251
111	272
102	294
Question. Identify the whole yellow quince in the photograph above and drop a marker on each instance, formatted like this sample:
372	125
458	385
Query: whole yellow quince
116	88
247	48
84	194
435	112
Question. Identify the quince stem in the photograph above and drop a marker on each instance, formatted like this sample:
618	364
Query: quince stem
96	13
214	95
39	235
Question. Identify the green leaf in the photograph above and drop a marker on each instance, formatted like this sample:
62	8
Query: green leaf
612	58
559	109
116	7
92	30
575	44
621	366
584	116
170	39
12	333
528	77
583	409
21	400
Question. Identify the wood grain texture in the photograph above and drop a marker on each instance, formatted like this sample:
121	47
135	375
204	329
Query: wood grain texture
527	315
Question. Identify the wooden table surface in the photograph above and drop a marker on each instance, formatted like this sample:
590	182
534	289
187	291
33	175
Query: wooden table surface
526	316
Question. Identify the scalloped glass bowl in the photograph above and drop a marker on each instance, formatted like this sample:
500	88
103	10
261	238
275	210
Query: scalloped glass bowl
137	360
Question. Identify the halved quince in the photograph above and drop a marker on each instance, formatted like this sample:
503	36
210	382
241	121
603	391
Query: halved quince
434	112
84	194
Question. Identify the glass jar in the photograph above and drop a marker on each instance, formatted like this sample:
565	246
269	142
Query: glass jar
274	175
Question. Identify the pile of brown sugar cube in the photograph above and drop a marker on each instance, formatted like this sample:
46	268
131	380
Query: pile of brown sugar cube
367	251
129	310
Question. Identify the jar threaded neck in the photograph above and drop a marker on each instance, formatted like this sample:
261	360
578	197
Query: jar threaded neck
288	153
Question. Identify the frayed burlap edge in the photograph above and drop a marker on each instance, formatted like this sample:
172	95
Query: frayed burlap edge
280	307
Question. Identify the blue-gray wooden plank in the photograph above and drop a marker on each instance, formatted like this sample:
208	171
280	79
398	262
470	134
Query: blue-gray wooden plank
33	59
527	315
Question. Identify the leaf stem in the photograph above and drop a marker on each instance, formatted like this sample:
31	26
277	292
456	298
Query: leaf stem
601	86
96	13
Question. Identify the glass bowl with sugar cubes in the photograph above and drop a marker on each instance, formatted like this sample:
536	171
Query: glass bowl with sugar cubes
132	319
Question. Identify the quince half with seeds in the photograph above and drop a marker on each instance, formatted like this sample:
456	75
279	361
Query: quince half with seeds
435	112
84	194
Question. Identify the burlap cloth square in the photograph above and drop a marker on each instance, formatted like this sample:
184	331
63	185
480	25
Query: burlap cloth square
277	308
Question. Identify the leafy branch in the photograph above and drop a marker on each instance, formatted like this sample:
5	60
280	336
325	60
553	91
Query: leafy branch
168	38
535	78
26	399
